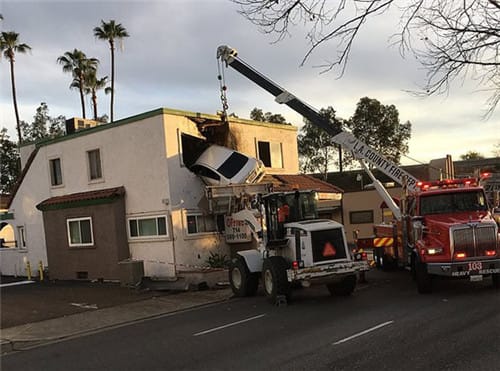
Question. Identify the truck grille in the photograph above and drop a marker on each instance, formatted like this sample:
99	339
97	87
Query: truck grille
474	240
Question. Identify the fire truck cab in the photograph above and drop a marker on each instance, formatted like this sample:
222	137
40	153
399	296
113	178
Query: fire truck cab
452	233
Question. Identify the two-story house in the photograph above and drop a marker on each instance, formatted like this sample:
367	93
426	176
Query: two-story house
118	191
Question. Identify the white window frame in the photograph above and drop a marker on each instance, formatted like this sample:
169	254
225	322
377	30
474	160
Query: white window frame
198	214
89	172
272	158
21	233
154	237
87	244
53	158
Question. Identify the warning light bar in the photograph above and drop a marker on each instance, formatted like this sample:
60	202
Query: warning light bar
447	183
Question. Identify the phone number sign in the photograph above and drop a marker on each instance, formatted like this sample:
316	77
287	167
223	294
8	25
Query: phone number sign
237	230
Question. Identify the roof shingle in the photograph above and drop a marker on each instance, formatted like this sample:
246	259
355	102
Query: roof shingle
74	198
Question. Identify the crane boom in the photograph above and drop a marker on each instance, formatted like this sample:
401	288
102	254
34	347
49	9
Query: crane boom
359	149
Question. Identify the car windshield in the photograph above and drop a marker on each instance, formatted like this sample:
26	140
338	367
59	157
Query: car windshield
233	165
452	203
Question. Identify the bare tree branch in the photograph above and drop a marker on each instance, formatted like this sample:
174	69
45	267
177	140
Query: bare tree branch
452	39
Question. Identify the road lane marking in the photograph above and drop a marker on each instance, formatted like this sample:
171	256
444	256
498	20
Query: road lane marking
229	325
16	283
363	332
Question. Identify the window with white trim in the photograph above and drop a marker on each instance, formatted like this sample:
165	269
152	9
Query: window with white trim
199	223
94	161
150	226
270	153
22	237
80	232
55	172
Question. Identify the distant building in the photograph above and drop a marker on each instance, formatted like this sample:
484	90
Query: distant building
361	203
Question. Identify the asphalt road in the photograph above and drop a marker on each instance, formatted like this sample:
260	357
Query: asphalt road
385	325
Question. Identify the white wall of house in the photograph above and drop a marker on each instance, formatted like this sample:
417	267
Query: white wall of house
34	188
187	196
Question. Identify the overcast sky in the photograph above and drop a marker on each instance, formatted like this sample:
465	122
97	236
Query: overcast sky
169	61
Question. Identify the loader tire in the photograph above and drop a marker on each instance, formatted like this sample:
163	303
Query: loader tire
242	281
274	278
345	287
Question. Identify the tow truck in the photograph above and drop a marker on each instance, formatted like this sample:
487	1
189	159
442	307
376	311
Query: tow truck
459	240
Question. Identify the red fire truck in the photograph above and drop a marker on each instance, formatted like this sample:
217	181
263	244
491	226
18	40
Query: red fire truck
447	230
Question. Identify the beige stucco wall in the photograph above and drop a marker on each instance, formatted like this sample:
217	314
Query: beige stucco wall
361	201
248	134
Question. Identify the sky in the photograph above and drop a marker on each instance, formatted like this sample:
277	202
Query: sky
169	61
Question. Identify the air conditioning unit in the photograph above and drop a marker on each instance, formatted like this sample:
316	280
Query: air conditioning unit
75	124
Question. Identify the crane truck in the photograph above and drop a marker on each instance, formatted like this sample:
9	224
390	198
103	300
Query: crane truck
441	228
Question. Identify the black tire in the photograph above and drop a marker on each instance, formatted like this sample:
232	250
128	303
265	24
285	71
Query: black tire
345	287
243	283
423	278
378	258
495	279
413	268
274	278
387	263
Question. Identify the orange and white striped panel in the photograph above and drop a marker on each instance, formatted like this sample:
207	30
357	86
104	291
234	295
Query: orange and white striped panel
383	241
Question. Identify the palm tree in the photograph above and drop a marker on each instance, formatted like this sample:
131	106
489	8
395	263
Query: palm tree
10	45
111	31
77	63
92	85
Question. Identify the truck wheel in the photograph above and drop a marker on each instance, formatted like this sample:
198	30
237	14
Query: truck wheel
243	283
274	278
413	269
495	278
423	278
343	288
378	258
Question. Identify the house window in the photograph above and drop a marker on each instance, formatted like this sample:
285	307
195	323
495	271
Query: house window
199	223
22	237
55	172
270	153
80	232
95	171
148	227
361	217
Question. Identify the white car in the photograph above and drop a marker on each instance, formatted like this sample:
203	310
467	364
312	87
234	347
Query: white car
222	166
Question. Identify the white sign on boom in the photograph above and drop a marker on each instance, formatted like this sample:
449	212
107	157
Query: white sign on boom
364	152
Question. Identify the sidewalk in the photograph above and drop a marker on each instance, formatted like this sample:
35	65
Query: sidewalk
36	333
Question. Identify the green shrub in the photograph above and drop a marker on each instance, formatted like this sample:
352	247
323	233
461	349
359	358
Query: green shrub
217	260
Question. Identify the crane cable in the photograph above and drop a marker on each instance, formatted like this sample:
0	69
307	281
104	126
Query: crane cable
223	89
